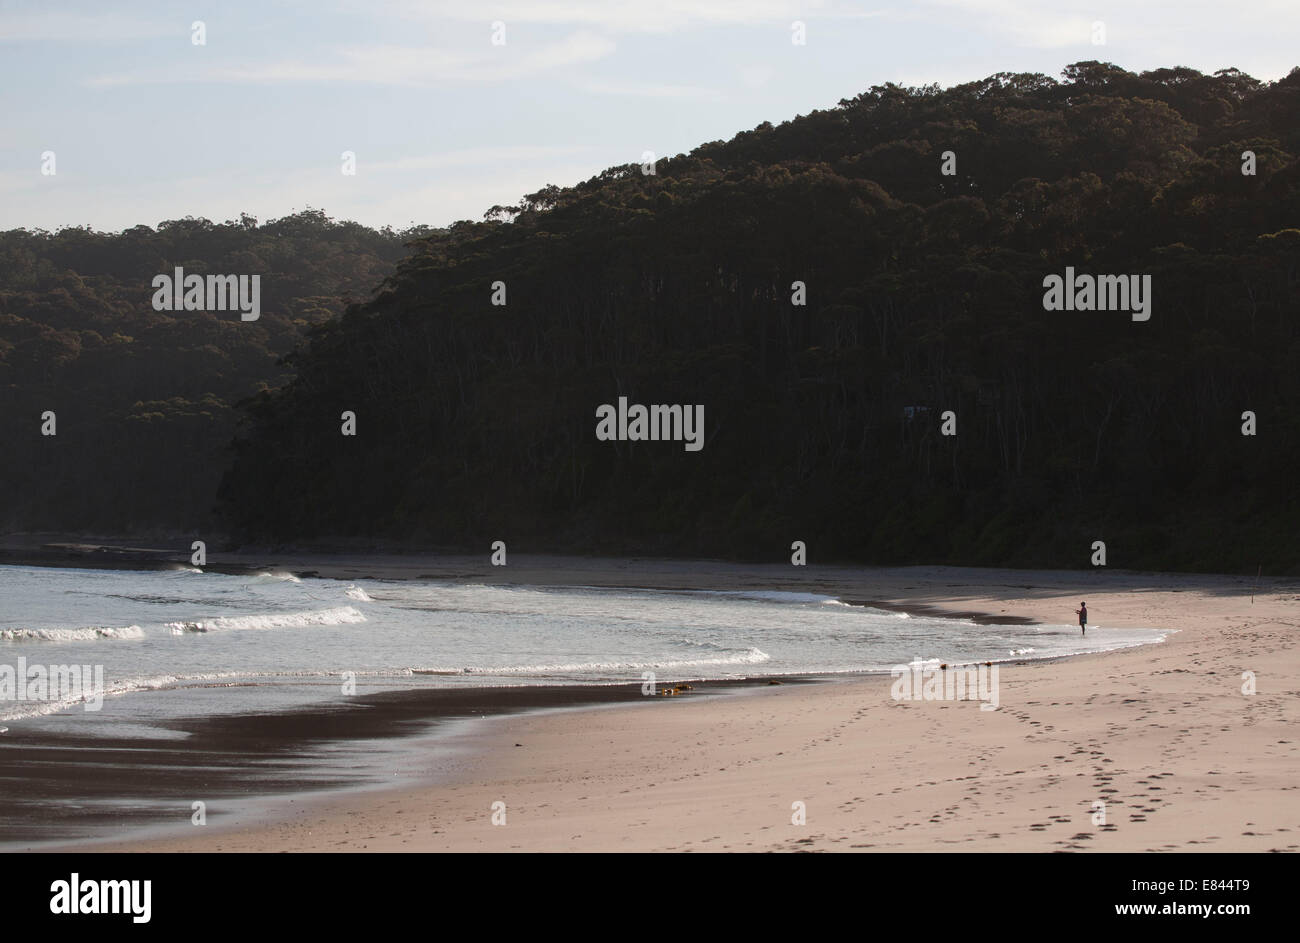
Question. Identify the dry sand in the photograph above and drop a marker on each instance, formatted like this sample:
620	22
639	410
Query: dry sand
1162	734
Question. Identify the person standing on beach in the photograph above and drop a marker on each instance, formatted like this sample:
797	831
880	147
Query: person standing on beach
1082	612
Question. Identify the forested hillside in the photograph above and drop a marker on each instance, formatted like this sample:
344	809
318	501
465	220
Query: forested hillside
476	422
144	400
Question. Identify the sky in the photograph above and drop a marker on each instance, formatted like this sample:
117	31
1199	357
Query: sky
450	108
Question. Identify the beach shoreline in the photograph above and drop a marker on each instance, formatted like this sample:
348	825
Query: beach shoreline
1162	734
248	764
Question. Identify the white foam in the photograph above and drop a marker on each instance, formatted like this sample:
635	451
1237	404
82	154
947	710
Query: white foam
233	678
359	594
774	595
276	577
31	709
89	633
924	664
752	656
338	615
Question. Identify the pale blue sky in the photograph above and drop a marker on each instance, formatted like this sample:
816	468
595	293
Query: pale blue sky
147	126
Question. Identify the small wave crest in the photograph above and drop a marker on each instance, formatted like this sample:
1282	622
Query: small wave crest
89	633
358	594
752	656
339	615
775	595
28	709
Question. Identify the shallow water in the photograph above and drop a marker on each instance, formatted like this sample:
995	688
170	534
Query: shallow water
184	643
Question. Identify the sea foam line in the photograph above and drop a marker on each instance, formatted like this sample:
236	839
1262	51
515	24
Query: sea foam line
338	615
752	656
89	633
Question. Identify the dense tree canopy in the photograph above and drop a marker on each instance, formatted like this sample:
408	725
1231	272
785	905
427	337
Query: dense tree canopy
477	422
143	399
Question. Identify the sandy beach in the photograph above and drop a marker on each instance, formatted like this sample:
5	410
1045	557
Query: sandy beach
1163	735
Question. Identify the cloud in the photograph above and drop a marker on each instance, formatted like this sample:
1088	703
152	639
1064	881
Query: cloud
475	157
85	28
412	66
653	90
16	181
622	16
1044	24
756	76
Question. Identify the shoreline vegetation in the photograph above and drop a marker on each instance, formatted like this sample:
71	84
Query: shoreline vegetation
850	300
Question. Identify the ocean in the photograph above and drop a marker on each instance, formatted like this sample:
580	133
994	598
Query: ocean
182	641
238	687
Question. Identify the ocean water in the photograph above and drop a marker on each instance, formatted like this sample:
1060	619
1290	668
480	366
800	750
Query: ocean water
189	643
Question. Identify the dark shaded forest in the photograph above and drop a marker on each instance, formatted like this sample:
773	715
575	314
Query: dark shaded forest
144	400
924	293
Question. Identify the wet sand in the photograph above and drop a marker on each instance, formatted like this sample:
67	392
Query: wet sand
1162	735
59	787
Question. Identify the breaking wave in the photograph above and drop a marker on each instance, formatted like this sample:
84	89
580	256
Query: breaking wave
339	615
89	633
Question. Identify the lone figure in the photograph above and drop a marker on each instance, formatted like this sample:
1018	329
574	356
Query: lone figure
1083	617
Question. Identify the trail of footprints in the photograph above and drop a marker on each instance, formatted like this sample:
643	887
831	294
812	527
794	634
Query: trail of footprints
1124	796
1129	801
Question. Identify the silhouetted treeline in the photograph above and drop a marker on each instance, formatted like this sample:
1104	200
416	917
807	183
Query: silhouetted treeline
143	400
477	422
924	294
